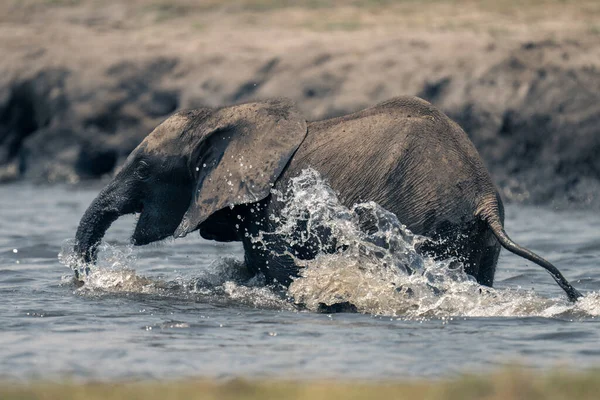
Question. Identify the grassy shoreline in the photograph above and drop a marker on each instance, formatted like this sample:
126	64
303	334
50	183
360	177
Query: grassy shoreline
497	18
507	384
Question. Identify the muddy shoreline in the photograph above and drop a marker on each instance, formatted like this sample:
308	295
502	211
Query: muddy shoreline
81	85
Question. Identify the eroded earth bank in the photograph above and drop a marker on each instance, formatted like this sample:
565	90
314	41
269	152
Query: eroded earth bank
82	82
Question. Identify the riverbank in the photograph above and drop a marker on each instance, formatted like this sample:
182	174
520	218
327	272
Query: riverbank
86	80
505	385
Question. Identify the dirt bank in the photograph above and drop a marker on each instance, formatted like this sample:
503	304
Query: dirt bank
508	384
82	82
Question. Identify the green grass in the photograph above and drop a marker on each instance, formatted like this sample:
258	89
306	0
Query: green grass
324	25
269	5
61	3
497	18
594	29
505	385
164	11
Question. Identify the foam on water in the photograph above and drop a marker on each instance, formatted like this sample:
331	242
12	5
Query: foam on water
371	263
377	269
225	281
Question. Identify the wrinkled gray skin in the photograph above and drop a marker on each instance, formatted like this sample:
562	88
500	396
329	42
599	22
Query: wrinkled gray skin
201	169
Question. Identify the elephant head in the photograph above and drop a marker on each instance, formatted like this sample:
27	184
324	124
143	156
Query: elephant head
192	165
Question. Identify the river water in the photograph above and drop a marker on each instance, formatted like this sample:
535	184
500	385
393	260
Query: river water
186	307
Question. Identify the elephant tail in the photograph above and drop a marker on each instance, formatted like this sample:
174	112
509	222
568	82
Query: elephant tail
490	213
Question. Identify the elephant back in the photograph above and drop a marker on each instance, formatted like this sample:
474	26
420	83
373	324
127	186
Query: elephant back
404	154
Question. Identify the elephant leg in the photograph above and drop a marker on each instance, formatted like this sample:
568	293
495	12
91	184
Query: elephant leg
488	260
476	247
482	249
271	258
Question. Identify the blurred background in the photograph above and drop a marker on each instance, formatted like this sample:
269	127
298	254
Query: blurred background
83	81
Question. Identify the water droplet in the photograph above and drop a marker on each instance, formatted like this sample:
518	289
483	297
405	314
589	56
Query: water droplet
15	251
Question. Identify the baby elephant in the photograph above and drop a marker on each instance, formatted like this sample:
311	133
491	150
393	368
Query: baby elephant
213	170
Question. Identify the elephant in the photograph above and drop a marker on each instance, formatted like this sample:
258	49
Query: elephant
214	171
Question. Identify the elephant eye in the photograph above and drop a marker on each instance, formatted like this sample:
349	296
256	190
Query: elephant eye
143	170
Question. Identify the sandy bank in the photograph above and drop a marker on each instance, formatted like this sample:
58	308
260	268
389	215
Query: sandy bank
506	385
82	82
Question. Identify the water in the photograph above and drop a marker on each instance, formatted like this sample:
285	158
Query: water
187	307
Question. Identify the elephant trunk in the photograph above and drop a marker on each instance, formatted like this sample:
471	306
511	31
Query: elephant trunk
109	205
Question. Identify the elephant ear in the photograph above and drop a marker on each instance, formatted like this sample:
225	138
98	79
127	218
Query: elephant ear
242	151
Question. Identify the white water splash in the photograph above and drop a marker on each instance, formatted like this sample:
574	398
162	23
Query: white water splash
372	264
114	272
224	281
